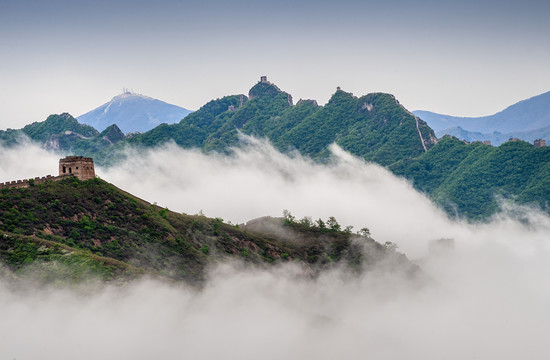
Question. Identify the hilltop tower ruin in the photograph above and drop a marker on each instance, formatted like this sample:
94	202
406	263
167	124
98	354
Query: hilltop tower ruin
540	143
79	166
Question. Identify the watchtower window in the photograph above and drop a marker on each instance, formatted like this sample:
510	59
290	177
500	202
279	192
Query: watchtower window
70	170
77	168
64	169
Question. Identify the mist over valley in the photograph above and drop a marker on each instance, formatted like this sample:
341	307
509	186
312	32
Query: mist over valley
486	297
267	192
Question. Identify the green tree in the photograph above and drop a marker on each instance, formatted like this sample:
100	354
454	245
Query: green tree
306	221
289	218
333	224
321	224
364	232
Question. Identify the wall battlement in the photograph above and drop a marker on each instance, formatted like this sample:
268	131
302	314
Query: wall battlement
26	182
79	166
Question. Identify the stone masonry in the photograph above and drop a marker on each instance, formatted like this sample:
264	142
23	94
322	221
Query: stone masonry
79	166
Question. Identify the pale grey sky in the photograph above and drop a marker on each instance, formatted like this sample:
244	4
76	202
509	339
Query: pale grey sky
465	58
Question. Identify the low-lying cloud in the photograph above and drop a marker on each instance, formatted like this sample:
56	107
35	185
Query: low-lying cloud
489	298
258	181
26	161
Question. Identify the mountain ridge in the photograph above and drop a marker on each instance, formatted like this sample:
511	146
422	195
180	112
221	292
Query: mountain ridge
526	115
63	133
496	138
374	127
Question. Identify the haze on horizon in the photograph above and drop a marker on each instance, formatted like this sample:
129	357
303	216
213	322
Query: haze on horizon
468	58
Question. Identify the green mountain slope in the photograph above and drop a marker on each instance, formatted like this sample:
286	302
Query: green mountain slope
470	178
194	130
56	124
96	229
64	133
465	179
375	127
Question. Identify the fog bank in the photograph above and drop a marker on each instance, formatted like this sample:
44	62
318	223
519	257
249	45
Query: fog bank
26	162
489	298
486	304
257	180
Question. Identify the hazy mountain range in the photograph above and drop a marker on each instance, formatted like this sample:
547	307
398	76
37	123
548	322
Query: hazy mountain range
527	120
465	179
133	112
496	138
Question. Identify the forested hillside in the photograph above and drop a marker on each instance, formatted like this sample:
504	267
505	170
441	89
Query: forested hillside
375	127
470	179
65	134
71	230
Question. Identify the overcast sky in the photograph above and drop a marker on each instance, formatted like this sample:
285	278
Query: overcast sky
466	58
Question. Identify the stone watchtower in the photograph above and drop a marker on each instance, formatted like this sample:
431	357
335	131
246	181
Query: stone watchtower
540	143
79	166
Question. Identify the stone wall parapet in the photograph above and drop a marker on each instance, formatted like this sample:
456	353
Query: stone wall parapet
23	183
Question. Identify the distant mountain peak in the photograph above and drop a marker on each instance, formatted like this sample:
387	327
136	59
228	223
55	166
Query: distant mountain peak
129	94
262	88
112	134
133	112
265	88
528	114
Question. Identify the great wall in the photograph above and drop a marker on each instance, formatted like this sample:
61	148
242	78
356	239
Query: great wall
78	166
